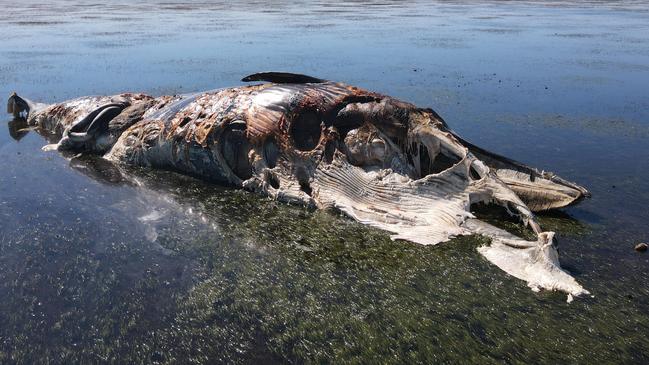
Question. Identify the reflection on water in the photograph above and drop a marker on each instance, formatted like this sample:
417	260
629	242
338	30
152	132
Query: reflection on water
18	129
104	263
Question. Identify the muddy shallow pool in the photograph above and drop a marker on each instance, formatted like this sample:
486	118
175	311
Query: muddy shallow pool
104	264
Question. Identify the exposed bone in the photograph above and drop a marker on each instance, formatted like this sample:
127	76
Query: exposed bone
540	190
383	162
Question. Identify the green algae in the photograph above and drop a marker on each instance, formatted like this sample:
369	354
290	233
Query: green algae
262	281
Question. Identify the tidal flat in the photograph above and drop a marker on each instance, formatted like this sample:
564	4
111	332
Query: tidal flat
107	264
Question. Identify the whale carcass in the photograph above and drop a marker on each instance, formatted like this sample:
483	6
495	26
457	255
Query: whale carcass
299	139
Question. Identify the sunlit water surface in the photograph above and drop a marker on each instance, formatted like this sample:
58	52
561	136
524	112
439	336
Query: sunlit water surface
103	264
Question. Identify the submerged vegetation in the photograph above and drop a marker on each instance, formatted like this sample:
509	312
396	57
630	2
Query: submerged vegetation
232	277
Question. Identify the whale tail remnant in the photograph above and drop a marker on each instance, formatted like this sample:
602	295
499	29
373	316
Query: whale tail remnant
21	107
17	106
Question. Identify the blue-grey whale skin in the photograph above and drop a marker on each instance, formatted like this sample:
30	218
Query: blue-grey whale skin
301	139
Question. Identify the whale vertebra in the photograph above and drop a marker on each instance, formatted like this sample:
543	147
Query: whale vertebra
300	139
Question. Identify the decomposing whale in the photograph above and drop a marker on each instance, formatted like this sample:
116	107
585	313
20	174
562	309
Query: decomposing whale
304	140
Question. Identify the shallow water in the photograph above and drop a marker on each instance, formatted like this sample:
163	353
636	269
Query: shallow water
105	264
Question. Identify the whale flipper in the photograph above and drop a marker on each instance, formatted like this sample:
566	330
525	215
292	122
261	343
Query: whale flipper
95	122
282	78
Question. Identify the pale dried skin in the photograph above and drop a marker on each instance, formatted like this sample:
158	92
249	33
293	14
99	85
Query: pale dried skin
383	162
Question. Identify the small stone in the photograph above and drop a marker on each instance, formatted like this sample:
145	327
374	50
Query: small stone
641	247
